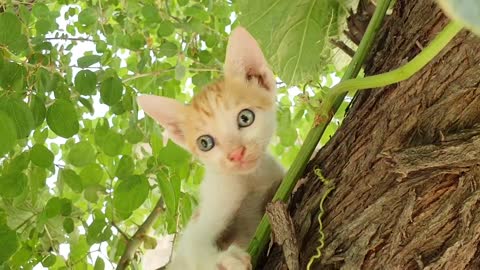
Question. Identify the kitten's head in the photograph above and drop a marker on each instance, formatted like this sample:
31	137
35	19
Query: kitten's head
229	124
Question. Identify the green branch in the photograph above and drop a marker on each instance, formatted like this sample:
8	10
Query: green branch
402	73
262	234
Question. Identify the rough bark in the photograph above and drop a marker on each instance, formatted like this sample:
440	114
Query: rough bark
406	161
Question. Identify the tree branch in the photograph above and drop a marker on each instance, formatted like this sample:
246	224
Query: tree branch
284	233
137	239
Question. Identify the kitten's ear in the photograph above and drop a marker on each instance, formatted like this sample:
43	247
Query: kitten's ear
168	112
245	58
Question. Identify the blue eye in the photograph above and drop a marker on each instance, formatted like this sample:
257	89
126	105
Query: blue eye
205	143
245	118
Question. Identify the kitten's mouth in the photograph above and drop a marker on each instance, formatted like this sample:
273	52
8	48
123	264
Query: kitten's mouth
247	165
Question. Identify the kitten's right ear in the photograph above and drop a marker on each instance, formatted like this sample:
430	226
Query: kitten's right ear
167	112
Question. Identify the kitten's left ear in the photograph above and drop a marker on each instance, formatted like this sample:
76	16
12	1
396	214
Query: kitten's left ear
168	112
245	58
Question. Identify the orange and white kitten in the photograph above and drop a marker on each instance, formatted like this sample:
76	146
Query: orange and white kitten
227	126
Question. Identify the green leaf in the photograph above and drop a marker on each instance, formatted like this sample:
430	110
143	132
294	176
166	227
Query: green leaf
166	28
81	154
21	114
92	175
88	60
99	264
44	80
68	225
173	155
40	136
49	260
39	111
134	135
41	156
168	193
168	49
98	231
18	164
87	104
53	207
90	194
201	79
8	133
130	194
297	45
86	82
180	71
72	179
12	185
40	10
150	13
9	241
42	26
62	118
78	249
136	41
111	91
125	167
21	257
12	23
38	177
149	242
197	11
65	207
12	76
113	144
88	16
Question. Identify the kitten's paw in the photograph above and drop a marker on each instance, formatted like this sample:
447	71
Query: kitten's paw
234	258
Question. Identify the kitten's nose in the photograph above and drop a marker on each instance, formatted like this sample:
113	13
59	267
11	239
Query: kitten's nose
237	154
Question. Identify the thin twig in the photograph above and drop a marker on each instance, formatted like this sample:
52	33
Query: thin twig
124	234
71	39
167	9
342	46
50	238
24	222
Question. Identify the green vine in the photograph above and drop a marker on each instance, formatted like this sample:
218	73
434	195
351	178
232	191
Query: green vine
400	74
330	186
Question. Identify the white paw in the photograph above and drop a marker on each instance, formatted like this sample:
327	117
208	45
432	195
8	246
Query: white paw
234	258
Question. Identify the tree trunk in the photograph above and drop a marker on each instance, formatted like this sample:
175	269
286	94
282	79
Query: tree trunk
405	162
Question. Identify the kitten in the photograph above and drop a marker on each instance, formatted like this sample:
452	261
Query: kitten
227	126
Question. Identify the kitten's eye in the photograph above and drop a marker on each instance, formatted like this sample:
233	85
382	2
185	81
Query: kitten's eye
245	118
205	143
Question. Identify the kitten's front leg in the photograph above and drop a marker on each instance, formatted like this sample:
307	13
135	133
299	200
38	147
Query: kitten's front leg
197	248
234	258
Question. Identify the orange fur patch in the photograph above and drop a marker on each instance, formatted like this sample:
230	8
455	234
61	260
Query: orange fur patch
226	93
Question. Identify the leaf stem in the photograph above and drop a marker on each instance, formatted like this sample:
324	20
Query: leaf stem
261	238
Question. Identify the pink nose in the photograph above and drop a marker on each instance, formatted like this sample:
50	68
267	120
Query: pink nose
237	154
